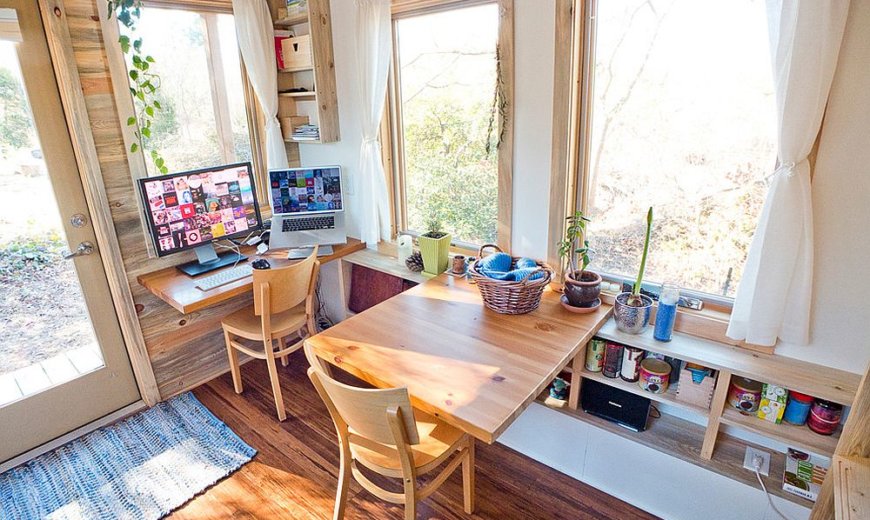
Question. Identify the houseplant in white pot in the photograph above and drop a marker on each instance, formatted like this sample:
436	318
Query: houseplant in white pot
434	246
581	287
631	310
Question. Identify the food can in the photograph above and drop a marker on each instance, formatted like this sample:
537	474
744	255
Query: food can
595	355
631	358
744	395
612	360
824	417
798	408
654	375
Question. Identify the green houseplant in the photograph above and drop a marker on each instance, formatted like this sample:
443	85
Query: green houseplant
581	287
632	310
434	246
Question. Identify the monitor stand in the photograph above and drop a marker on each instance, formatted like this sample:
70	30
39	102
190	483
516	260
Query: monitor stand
299	253
207	260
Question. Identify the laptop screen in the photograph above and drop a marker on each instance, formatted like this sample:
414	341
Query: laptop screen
305	190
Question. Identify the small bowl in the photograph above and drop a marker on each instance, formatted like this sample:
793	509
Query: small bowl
580	310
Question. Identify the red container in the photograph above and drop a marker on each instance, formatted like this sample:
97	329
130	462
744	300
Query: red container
824	417
612	360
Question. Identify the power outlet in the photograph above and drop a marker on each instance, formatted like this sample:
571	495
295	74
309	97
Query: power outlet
751	453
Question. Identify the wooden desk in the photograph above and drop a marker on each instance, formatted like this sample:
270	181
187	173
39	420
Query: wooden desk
179	290
475	369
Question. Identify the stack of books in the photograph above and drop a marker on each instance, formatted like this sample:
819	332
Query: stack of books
306	133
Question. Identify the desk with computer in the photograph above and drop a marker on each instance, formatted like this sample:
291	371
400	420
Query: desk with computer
217	207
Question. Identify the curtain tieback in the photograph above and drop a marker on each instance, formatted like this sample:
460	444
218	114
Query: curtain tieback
369	140
787	168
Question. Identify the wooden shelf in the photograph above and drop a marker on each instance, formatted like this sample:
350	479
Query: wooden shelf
385	264
816	380
669	397
798	436
295	19
296	69
682	439
307	94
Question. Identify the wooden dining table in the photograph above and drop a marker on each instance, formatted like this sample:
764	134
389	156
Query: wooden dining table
473	368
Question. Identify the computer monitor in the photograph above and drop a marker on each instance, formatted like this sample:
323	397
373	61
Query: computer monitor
307	209
190	210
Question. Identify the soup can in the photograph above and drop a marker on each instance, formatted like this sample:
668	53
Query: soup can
595	355
654	375
744	395
631	358
612	360
824	417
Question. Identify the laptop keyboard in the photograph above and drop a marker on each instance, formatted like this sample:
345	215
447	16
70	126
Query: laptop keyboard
308	224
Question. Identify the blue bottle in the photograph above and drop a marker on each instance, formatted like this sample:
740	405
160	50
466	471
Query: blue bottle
667	312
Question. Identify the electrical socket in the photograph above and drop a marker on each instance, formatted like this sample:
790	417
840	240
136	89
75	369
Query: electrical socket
751	454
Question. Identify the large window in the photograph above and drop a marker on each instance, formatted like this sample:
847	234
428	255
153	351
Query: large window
682	119
203	121
450	122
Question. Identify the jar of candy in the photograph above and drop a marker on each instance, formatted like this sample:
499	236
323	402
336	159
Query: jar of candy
798	408
824	417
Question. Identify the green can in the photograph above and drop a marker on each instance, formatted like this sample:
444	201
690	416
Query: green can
595	355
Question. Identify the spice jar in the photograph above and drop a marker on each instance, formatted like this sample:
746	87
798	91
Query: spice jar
824	417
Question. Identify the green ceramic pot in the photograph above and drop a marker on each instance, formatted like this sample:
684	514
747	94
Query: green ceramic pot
434	251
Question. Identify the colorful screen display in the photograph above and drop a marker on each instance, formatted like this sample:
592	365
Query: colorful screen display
306	190
193	208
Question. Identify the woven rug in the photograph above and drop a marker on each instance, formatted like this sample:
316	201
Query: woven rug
140	468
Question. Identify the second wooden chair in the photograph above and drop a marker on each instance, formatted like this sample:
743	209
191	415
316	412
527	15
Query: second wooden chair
283	305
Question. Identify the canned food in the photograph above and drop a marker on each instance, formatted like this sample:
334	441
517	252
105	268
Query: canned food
595	355
824	417
612	360
744	395
631	358
654	375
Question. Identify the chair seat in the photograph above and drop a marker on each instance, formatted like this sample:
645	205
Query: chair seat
437	441
246	324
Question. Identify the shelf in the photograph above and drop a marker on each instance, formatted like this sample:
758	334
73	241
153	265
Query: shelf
384	264
307	94
304	141
295	19
683	439
669	397
296	69
800	437
816	380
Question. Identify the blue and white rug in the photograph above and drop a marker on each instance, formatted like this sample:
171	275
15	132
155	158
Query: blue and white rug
140	468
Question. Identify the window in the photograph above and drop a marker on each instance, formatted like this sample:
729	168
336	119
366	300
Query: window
203	121
682	119
450	122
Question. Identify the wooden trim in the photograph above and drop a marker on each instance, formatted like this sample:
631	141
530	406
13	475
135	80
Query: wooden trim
407	8
9	30
506	147
209	6
218	86
70	87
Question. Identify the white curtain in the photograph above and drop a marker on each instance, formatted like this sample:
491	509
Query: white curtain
374	49
257	45
775	294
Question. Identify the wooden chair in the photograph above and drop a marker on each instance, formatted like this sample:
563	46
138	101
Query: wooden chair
283	305
381	431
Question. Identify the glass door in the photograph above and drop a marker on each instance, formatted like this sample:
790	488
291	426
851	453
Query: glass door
63	362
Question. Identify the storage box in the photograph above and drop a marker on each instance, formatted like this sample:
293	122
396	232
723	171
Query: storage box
288	124
772	404
698	394
804	474
297	52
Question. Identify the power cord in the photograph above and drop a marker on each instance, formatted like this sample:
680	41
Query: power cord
322	319
757	462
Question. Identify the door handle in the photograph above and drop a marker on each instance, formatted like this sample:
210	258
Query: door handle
84	249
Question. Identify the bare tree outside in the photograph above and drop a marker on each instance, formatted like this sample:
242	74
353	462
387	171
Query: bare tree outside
683	120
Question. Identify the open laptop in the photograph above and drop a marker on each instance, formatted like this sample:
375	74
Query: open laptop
307	210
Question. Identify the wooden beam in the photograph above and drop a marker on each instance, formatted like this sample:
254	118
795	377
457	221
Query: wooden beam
506	123
218	85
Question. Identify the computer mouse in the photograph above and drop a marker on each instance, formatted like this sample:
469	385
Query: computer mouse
262	263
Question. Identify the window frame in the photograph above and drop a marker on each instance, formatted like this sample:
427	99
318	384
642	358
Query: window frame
572	120
392	140
208	9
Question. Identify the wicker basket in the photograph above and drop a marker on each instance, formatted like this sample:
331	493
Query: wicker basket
509	297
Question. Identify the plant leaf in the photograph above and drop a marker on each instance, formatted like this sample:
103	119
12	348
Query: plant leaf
131	121
134	147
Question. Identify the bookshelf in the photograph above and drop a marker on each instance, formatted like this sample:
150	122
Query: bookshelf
319	101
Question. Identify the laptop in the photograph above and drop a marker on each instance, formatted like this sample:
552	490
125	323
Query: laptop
627	410
307	210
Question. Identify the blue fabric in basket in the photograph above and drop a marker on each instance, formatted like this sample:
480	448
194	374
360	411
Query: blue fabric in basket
498	267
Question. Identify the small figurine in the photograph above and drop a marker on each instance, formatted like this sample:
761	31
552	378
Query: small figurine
559	390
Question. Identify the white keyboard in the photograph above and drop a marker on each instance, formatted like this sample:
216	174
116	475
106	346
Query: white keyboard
224	277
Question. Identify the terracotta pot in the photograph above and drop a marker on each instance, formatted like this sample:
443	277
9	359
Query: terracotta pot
583	292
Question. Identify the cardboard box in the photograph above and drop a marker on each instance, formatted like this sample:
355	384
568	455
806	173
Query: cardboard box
804	474
772	406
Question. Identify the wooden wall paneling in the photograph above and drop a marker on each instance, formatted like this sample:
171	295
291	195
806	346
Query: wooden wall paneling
77	62
324	70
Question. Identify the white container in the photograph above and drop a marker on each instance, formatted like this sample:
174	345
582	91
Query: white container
406	248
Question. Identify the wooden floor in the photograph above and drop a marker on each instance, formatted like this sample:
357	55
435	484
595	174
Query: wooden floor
294	474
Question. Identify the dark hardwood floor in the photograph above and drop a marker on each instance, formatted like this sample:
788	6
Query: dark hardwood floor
295	472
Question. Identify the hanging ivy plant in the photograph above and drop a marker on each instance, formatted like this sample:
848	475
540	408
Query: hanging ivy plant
143	82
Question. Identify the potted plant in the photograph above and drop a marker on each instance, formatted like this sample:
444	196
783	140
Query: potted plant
581	287
434	246
631	310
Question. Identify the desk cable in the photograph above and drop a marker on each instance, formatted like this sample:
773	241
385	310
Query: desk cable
757	462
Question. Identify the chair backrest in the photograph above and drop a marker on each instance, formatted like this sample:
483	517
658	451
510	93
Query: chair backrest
365	410
288	286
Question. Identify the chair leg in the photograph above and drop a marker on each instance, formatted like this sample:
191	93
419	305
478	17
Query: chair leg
273	376
468	478
344	474
410	498
285	359
234	364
